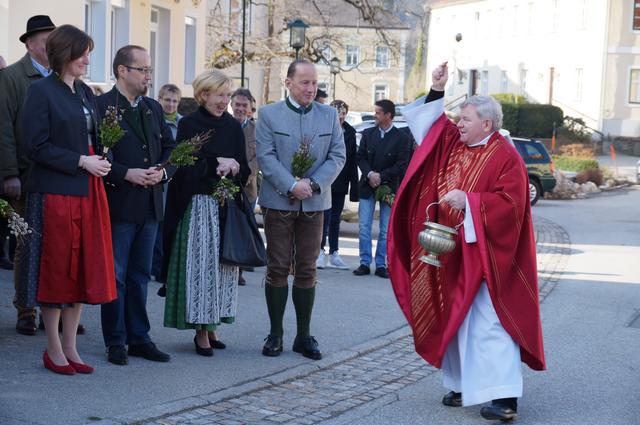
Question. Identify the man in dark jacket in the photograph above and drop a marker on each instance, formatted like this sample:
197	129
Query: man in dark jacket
346	182
134	191
383	156
14	164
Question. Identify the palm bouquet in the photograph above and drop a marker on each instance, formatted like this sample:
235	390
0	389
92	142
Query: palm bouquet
184	152
302	160
384	194
110	130
17	225
225	190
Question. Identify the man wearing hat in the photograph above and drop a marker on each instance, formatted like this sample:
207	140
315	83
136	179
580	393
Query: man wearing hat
14	82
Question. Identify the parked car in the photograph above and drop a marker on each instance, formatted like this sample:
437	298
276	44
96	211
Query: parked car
398	121
539	167
355	118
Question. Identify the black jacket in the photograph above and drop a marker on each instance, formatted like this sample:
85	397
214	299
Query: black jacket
389	157
142	146
227	140
349	174
54	128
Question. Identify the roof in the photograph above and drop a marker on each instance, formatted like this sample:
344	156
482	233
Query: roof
338	13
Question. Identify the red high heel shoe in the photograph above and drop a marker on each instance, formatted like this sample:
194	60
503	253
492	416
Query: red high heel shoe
80	367
63	370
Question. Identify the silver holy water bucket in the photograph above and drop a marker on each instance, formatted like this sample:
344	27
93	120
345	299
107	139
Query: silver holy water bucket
436	239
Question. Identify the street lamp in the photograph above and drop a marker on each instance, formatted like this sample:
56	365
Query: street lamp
297	30
334	69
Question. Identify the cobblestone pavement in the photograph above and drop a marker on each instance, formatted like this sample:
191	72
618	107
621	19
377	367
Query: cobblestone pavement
329	392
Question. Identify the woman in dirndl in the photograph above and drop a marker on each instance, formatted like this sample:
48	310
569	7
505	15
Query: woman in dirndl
202	291
67	259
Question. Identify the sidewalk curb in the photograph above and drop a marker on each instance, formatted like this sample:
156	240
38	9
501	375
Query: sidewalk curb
259	383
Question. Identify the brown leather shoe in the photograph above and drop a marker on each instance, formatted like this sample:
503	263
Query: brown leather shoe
26	324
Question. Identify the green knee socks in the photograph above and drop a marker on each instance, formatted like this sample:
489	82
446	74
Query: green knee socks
303	302
276	302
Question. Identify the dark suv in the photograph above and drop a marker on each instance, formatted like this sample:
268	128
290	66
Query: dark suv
539	167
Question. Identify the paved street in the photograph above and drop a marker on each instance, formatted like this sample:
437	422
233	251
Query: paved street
590	285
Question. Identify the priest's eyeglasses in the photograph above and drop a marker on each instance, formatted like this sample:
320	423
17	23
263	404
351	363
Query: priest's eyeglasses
145	71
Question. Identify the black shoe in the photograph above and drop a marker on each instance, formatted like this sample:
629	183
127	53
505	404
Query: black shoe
308	347
217	344
117	354
452	399
203	351
362	270
382	272
162	291
273	346
504	409
148	351
241	280
26	324
6	264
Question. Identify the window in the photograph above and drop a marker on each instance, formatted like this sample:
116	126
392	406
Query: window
380	91
325	51
514	21
353	55
504	82
382	57
634	86
636	15
579	73
119	27
533	151
235	16
530	19
582	15
484	83
189	49
523	82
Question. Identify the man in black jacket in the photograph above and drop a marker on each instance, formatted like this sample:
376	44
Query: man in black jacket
383	156
134	191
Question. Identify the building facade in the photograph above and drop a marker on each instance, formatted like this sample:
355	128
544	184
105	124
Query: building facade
173	31
580	55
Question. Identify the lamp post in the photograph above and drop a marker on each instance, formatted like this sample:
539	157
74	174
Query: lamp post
244	29
297	31
334	69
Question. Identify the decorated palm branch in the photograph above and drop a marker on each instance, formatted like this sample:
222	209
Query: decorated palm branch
184	152
385	194
110	130
17	225
302	160
225	190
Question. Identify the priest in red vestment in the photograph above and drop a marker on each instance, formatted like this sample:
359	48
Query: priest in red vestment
478	316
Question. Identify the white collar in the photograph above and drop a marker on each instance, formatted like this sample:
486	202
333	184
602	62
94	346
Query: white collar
482	142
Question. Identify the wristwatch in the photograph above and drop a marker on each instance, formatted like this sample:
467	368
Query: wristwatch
314	185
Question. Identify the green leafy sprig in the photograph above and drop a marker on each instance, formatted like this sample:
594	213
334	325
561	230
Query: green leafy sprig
225	190
384	194
183	154
110	130
17	225
302	160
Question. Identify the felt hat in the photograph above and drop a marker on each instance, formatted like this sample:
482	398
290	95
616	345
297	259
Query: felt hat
36	24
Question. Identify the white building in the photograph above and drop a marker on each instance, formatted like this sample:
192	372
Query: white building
171	30
580	55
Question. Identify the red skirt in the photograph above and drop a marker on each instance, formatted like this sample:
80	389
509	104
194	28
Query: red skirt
76	262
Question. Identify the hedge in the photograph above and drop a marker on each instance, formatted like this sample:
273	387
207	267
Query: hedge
531	119
571	163
536	120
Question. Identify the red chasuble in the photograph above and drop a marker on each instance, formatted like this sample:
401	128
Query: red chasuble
435	300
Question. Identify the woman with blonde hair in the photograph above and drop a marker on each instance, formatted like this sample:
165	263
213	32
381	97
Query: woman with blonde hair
202	291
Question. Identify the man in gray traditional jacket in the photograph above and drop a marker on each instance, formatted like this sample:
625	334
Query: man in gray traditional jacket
293	205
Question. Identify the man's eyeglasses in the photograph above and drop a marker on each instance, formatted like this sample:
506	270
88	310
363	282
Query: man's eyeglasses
145	71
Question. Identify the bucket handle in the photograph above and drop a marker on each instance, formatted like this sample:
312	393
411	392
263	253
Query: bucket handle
437	203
